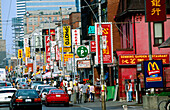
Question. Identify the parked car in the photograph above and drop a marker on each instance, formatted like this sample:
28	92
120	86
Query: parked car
25	99
21	80
5	93
57	96
23	85
44	92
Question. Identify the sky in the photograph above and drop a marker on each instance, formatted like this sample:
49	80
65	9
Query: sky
8	12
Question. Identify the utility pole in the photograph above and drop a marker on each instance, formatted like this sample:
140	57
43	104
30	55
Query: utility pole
49	33
61	18
101	60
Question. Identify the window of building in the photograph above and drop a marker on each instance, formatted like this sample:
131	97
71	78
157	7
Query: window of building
30	23
158	33
30	28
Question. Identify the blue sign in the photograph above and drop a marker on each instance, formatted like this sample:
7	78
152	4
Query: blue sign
153	74
91	30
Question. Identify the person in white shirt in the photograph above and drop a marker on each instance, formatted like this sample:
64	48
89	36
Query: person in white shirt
69	91
92	92
129	91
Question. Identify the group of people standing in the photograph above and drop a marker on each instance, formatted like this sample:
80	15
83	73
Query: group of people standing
81	91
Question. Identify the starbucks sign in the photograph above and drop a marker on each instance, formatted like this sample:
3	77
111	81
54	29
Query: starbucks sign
82	51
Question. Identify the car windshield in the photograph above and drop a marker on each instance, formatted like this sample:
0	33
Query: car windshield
23	80
57	91
7	91
27	93
9	84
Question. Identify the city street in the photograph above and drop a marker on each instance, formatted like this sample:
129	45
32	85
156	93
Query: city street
110	105
60	107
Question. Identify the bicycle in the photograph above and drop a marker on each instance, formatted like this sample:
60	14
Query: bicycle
164	105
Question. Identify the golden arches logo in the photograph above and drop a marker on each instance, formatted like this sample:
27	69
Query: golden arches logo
155	68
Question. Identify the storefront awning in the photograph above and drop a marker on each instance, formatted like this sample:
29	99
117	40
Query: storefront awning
165	44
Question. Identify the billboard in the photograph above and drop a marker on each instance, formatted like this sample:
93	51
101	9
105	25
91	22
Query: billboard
66	36
155	10
47	49
92	46
75	36
83	64
107	42
134	59
153	73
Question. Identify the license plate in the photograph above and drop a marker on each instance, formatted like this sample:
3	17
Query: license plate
27	100
58	95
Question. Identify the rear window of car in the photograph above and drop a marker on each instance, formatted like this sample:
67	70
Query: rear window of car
57	91
2	84
27	93
40	87
7	91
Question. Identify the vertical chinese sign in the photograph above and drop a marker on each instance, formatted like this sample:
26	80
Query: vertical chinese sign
153	73
107	42
155	10
47	41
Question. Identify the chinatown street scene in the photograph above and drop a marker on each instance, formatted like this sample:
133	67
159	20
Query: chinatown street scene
85	54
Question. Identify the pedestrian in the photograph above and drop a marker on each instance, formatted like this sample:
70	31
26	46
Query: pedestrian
80	92
69	91
76	90
129	91
13	84
84	91
88	94
92	92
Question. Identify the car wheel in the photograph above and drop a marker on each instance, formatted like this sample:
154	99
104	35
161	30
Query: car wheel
66	104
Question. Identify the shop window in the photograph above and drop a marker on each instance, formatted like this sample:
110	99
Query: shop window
158	33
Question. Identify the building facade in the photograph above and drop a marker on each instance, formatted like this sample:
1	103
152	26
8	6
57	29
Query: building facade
0	21
135	45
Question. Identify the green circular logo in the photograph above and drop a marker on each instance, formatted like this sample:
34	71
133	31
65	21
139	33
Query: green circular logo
82	51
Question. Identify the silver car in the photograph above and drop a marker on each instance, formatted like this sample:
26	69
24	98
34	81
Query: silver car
23	85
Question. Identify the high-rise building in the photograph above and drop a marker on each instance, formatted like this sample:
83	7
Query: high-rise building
24	6
0	22
28	7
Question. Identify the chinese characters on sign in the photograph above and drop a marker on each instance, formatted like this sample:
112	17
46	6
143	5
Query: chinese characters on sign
134	59
106	41
155	10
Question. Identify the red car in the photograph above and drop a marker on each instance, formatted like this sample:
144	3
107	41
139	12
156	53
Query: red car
57	96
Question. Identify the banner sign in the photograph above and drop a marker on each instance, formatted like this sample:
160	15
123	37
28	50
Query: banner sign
75	36
84	64
153	74
134	59
155	10
66	36
65	49
57	53
92	46
53	43
66	56
27	52
47	49
107	42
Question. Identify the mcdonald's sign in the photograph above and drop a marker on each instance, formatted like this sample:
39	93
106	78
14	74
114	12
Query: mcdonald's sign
153	73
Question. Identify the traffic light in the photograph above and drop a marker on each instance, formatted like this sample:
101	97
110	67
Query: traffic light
19	53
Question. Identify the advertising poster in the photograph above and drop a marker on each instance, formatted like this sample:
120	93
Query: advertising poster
107	42
47	48
153	74
66	36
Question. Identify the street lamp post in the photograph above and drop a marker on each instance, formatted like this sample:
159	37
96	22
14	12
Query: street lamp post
61	18
101	60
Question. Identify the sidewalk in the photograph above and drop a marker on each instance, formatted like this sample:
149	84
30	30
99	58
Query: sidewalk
110	103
